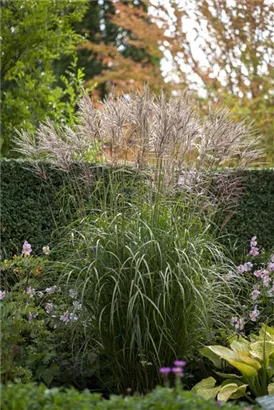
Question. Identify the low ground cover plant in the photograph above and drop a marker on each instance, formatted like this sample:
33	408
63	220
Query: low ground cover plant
32	397
36	319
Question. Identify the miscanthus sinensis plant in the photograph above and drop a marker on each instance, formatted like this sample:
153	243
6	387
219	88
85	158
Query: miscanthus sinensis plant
147	266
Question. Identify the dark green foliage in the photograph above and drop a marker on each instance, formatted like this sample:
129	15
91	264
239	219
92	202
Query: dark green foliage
33	397
33	35
255	211
35	204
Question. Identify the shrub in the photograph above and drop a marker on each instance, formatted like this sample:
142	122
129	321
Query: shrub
33	397
255	211
37	200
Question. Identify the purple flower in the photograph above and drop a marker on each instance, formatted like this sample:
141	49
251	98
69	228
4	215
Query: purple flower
219	403
32	316
165	370
65	317
271	266
26	249
179	363
2	294
52	289
49	307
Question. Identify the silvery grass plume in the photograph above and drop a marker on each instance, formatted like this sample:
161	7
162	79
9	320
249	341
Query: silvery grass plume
162	134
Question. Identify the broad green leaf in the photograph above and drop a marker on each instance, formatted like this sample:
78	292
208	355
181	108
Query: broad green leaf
230	390
240	346
245	369
206	388
229	375
216	353
262	349
249	360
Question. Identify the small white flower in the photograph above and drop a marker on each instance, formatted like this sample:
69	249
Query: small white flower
255	293
46	250
73	316
30	291
73	293
51	289
77	305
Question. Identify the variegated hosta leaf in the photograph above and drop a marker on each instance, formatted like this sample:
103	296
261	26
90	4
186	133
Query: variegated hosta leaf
231	391
245	369
270	388
262	350
206	388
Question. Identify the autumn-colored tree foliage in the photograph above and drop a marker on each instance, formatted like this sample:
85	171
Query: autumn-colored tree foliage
125	48
226	48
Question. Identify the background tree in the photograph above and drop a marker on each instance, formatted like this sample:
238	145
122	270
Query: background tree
33	34
121	47
225	48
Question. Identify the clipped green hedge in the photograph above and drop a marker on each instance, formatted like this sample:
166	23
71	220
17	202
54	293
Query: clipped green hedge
255	210
35	204
33	397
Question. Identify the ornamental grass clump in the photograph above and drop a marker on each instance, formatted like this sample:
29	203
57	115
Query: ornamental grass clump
143	257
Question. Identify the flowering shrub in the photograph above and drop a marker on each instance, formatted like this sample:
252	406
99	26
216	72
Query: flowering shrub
259	300
33	318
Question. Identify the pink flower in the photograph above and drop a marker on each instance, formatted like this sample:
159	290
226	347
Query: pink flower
65	317
254	251
266	280
2	294
255	294
178	371
26	249
254	314
179	363
259	273
165	370
237	323
49	307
